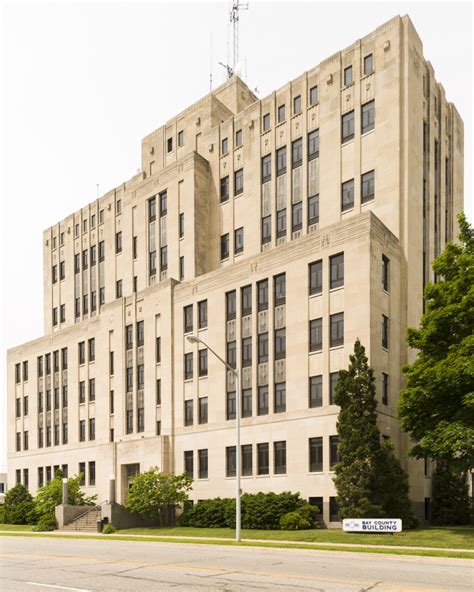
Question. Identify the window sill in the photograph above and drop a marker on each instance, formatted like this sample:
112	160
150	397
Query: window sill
316	294
317	351
316	473
336	347
347	141
347	210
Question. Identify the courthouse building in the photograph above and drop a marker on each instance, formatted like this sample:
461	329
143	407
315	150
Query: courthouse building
278	231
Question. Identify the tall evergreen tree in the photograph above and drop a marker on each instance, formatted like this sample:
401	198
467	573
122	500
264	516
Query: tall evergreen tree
450	496
369	479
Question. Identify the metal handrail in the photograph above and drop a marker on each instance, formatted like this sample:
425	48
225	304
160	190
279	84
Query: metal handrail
89	509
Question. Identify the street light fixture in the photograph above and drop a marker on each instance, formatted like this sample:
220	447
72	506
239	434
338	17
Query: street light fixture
235	372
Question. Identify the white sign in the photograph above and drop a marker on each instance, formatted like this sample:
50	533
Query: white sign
372	525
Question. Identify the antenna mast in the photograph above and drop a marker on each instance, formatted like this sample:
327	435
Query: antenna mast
234	19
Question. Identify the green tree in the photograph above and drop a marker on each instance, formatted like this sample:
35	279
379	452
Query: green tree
450	496
153	492
369	479
19	506
437	405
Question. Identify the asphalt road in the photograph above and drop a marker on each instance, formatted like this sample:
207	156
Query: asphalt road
30	564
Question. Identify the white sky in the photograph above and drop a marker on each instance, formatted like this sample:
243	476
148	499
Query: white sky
82	83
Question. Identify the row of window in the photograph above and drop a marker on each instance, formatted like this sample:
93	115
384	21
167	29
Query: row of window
279	297
86	298
129	421
297	106
367	115
189	364
238	243
90	255
52	436
202	416
82	429
77	227
367	190
58	318
18	372
44	363
57	400
188	321
238	185
81	347
62	272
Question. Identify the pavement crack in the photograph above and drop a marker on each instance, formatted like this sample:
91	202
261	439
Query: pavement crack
371	587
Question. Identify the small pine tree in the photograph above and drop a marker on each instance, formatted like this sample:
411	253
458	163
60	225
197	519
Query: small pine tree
450	498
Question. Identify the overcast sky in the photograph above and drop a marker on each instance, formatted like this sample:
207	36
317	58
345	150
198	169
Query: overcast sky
82	83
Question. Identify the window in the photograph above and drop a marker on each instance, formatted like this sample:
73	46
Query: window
336	329
188	318
118	206
48	436
91	389
101	251
18	441
247	403
333	378
77	263
266	229
280	344
91	348
266	168
315	391
48	361
82	352
281	161
333	510
169	145
181	138
232	354
189	462
313	144
297	153
92	428
231	460
82	473
202	314
140	419
129	422
246	300
297	105
76	230
348	76
316	335
56	398
202	362
279	457
92	473
262	400
266	122
297	216
158	391
101	216
225	188
347	127
129	337
54	274
263	348
82	430
316	277
263	461
239	240
101	295
202	464
40	366
158	428
82	393
163	204
202	409
129	379
55	316
140	376
152	261
281	113
368	64
262	295
280	397
18	408
118	289
230	305
224	146
164	258
231	405
238	138
384	388
385	273
336	265
93	255
367	187
384	331
181	225
333	451
40	438
224	246
25	405
368	116
64	397
152	209
246	451
84	259
239	182
188	412
246	352
135	284
62	313
65	434
85	304
313	95
347	195
188	366
40	476
118	242
279	289
316	455
62	270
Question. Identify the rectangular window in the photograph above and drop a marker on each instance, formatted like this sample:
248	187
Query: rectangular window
101	295
231	460
297	153
163	204
188	366
238	138
313	144
316	335
333	378
202	409
266	229
385	336
246	352
297	105
40	366
281	113
336	330
118	289
246	452
297	216
367	187
82	430
280	397
384	388
91	389
336	265
158	428
224	145
247	403
77	263
280	344
54	274
224	246
279	289
25	405
181	138
348	76
239	240
202	464
134	247
85	304
203	362
82	473
111	363
188	413
347	195
40	438
315	277
232	354
93	255
385	273
129	422
313	95
163	258
316	455
82	392
62	311
18	441
239	182
266	122
129	379
40	476
129	337
246	300
65	433
118	206
281	161
91	347
84	259
262	295
140	376
62	270
347	127
368	116
158	350
92	428
92	473
181	225
231	405
231	305
263	348
158	391
263	460
152	209
118	242
101	251
169	145
55	316
189	462
313	210
279	457
224	188
18	408
82	352
202	314
188	318
333	451
368	64
140	419
266	168
281	223
64	396
315	391
111	402
262	403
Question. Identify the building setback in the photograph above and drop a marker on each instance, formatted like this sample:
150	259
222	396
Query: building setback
278	231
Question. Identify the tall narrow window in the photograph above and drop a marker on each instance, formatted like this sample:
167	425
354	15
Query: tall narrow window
224	246
238	138
263	348
247	403
315	455
313	144
181	225
297	153
266	229
316	335
336	329
246	452
202	362
189	463
238	240
367	182
163	203
239	182
347	127
279	289
313	95
368	64
385	335
316	277
263	460
280	397
224	189
188	412
333	451
246	352
231	405
313	210
385	273
281	113
188	366
224	146
246	300
333	378
280	344
297	216
368	117
262	294
297	105
188	318
266	168
281	223
202	410
384	388
202	464
164	258
281	161
118	242
279	457
315	391
262	403
266	122
347	195
231	305
118	289
152	209
336	263
348	76
230	461
202	314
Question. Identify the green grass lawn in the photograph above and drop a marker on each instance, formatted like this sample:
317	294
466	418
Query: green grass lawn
16	527
455	537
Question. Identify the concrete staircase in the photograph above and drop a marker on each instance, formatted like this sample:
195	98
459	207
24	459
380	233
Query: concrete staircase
86	522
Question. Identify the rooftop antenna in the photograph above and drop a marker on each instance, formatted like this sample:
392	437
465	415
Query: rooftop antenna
210	75
234	21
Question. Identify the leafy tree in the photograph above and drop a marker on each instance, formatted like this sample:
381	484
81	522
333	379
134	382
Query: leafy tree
450	496
19	507
153	492
437	405
369	479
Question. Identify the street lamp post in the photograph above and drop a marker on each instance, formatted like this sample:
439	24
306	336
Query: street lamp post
235	372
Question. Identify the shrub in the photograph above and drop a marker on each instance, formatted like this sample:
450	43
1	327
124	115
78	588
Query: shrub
45	523
108	529
212	513
2	514
300	519
450	496
19	506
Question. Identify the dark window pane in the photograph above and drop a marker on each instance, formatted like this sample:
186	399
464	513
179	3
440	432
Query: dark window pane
347	195
316	277
316	391
368	186
336	263
368	116
347	126
316	335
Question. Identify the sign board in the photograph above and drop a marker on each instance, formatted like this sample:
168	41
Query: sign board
372	525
